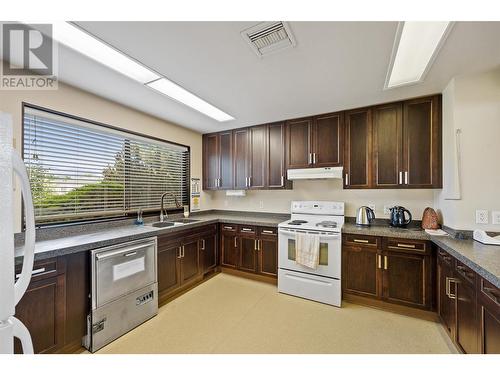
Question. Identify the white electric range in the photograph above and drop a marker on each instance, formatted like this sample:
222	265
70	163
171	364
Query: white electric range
323	284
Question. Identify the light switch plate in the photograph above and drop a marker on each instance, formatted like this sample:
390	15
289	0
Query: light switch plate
481	216
495	217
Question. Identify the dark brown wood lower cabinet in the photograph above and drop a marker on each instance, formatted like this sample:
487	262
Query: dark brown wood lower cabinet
359	270
248	254
466	334
488	301
169	277
268	256
445	303
42	310
230	250
208	249
190	261
405	279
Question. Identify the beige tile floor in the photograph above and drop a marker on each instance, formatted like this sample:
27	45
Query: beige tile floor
228	314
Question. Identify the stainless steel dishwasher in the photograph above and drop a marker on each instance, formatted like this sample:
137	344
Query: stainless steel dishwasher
124	290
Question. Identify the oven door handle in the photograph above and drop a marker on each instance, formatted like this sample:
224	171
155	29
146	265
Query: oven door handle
126	251
321	235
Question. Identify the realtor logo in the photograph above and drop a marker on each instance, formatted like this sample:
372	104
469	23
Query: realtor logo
28	57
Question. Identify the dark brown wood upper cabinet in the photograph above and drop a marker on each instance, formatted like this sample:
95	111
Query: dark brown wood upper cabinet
276	172
328	132
422	142
299	143
241	158
226	160
388	146
258	156
211	161
358	147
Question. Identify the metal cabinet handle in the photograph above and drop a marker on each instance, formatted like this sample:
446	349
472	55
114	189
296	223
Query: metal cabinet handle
406	177
406	245
203	244
314	158
386	263
268	232
310	158
235	239
183	253
180	253
379	257
35	272
255	247
450	280
282	180
246	229
360	241
228	228
400	177
347	179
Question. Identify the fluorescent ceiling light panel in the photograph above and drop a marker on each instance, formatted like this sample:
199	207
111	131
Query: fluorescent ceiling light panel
81	41
180	94
415	50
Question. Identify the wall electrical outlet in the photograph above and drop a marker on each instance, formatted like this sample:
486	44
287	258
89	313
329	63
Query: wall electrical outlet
495	217
481	216
261	204
387	210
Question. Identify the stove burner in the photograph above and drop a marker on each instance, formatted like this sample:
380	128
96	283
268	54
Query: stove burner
297	222
327	224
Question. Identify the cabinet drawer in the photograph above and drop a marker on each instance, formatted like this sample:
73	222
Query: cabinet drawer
247	229
465	272
361	240
412	246
444	257
42	269
267	232
489	295
228	228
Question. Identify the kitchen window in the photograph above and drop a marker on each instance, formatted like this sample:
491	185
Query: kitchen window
81	170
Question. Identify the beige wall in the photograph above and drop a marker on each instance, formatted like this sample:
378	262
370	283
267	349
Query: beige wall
80	103
279	200
472	104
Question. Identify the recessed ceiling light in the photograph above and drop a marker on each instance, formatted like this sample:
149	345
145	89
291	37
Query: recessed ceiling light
180	94
415	48
76	38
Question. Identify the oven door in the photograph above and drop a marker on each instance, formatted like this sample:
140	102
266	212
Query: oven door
329	253
122	269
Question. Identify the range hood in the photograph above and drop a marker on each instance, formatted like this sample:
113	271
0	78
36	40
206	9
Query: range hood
315	173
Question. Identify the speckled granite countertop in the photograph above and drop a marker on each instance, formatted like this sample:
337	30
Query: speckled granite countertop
484	259
386	231
83	241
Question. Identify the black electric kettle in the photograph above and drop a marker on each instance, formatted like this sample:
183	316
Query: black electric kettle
398	218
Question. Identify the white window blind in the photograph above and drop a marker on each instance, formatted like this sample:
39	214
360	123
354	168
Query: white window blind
79	170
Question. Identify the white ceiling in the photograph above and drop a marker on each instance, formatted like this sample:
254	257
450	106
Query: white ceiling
335	65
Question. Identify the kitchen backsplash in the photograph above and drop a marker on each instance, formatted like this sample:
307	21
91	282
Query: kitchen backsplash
278	201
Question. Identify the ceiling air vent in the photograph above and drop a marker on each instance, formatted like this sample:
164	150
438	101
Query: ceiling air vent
269	37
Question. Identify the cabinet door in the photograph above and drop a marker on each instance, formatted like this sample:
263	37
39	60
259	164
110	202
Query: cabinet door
327	140
241	157
226	160
388	146
422	143
489	317
248	254
268	256
258	157
208	250
276	173
466	313
406	278
446	303
42	310
229	250
357	158
360	268
190	261
211	161
169	278
299	153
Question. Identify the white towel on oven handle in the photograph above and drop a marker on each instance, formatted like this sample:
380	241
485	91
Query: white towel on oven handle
307	249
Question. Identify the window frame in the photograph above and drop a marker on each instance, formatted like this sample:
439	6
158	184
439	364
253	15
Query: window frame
126	216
